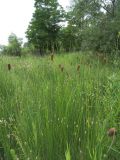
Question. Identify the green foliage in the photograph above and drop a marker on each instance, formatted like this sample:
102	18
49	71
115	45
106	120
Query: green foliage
14	46
42	108
45	25
70	39
67	154
89	25
98	24
28	49
14	157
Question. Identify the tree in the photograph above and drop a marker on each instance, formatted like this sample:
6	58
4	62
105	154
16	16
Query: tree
28	49
98	24
69	38
44	27
2	47
14	46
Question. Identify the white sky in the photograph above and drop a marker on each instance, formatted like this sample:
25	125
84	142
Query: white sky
15	16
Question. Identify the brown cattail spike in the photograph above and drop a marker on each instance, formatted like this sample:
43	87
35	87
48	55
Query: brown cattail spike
112	132
52	57
62	68
9	67
78	67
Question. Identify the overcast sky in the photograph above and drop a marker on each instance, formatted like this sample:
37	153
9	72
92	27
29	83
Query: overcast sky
15	16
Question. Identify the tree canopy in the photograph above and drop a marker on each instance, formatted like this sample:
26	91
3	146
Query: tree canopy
14	46
45	25
91	25
98	24
86	25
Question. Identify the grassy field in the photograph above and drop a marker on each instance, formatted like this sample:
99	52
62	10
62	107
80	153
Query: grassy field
60	109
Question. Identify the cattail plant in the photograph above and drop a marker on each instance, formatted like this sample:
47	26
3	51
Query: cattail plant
62	68
9	67
78	67
112	132
52	57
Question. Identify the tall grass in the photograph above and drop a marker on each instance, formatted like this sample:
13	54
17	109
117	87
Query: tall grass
51	114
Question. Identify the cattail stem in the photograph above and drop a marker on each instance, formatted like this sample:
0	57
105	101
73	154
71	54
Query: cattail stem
113	140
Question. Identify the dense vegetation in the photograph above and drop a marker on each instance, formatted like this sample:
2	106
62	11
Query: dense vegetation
61	107
86	25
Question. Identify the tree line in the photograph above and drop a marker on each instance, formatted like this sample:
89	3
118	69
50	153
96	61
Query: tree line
92	25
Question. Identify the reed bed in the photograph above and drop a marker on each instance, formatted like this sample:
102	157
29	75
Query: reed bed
61	107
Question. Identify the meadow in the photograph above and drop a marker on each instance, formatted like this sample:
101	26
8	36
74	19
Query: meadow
59	108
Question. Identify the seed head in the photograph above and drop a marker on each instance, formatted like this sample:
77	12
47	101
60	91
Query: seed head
78	67
112	132
9	67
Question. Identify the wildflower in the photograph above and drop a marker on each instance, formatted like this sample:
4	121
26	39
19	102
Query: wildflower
9	67
112	132
3	122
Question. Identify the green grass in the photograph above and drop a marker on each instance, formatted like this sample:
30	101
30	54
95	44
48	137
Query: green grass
47	114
